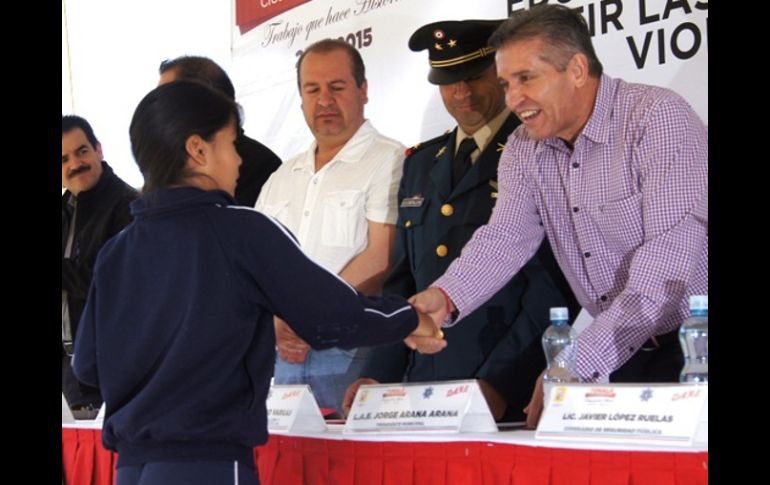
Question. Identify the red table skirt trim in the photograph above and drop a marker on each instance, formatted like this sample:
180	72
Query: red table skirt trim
288	460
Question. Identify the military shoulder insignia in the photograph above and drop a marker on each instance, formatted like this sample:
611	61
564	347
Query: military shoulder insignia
422	145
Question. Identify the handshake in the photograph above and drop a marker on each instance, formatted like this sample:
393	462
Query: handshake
432	306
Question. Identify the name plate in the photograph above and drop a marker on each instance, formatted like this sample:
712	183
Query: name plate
449	406
293	409
668	414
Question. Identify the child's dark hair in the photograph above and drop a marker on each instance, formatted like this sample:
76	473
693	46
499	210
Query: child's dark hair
164	120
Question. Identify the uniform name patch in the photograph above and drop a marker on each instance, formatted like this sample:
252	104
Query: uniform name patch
414	201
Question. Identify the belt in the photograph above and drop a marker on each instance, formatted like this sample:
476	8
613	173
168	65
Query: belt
658	341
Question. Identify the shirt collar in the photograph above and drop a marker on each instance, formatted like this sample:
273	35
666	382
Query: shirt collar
598	127
352	152
484	134
169	199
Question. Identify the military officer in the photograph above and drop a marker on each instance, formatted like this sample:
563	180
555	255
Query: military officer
448	190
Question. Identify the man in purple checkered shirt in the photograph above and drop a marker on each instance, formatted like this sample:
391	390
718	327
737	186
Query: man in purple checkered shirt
615	175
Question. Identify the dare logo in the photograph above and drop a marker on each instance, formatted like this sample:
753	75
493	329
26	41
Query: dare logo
458	390
291	394
689	394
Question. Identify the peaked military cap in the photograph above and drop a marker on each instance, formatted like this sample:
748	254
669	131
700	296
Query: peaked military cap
457	49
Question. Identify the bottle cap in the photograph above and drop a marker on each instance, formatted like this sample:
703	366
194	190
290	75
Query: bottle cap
699	302
559	313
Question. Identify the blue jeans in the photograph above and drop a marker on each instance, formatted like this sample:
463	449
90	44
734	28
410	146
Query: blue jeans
328	372
189	473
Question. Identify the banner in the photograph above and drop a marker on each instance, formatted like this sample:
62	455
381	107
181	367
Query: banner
254	12
658	42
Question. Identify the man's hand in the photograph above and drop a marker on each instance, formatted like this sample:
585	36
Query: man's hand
432	302
535	407
427	338
350	393
290	347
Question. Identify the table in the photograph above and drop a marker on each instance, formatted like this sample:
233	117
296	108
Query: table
509	458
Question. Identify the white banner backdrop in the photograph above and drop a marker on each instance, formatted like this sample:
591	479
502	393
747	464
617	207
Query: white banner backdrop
660	42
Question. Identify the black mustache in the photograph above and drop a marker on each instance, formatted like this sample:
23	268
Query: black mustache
79	170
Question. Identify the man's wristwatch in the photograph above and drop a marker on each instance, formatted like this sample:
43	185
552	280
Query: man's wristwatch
452	311
454	315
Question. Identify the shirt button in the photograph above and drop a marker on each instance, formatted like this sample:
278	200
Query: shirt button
315	181
575	209
307	213
441	251
447	210
587	254
575	165
603	298
408	224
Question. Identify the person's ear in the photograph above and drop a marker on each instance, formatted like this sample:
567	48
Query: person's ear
578	69
365	91
98	150
196	149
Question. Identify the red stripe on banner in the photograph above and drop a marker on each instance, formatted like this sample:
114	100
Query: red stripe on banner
251	13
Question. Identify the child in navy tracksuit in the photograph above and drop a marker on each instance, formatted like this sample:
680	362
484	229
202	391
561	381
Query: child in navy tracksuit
178	328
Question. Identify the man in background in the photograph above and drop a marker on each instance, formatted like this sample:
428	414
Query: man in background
339	200
94	208
448	190
257	160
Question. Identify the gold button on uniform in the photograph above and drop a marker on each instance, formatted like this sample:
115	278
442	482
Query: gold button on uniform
442	251
447	210
408	224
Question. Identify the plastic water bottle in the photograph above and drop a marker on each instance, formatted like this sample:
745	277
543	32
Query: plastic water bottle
694	338
559	344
